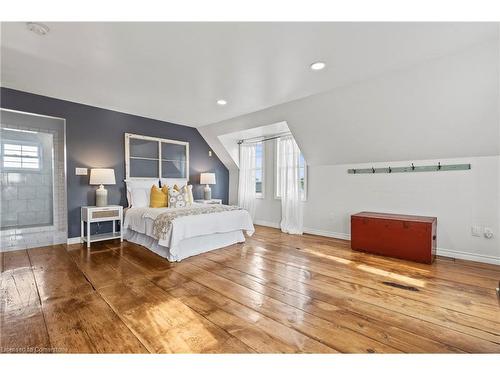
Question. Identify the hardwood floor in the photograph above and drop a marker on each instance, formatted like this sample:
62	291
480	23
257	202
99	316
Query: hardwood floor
274	294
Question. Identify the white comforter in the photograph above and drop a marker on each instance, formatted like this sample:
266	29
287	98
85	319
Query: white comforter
140	220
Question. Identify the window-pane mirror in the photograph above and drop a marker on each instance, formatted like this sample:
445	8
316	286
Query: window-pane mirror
143	168
141	148
151	157
173	160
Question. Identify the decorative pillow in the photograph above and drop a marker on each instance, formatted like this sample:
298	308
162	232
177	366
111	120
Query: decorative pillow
176	199
187	190
159	197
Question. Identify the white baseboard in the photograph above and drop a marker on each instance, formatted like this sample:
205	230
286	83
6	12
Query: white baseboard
267	223
464	255
325	233
468	256
73	240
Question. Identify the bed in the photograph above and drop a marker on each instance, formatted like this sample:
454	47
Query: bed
190	230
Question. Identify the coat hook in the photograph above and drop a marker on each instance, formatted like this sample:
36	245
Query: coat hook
412	167
439	166
373	170
390	170
354	171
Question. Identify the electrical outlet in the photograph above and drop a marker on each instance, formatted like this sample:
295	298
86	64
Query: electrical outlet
476	230
488	233
81	171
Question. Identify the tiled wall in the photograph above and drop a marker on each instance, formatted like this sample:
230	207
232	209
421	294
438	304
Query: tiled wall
34	199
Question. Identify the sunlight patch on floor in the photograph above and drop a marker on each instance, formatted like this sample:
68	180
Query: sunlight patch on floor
372	270
331	257
401	278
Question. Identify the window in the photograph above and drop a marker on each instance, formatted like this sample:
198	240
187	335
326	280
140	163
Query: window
259	169
151	157
17	155
302	174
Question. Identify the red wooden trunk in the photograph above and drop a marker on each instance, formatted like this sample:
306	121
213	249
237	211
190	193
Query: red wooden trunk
399	236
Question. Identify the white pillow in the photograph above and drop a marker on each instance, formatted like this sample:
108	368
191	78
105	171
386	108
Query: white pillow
139	197
188	192
176	199
139	186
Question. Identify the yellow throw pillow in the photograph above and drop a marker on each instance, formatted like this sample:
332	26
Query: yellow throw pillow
159	197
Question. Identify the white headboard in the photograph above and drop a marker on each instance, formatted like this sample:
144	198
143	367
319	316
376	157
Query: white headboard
174	181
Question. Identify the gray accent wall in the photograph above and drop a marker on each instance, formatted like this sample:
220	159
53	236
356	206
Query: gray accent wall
95	138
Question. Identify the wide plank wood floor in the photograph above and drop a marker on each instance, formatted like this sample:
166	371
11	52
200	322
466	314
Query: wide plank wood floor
276	293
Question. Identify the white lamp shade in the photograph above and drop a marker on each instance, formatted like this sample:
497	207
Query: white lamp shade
102	176
207	178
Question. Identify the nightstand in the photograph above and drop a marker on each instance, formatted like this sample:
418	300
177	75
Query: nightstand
94	214
209	201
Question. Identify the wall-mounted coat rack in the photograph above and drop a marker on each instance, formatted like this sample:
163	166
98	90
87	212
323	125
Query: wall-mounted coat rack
412	168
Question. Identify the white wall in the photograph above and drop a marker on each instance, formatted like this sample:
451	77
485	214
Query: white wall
458	199
445	110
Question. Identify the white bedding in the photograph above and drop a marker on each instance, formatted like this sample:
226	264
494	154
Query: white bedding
140	220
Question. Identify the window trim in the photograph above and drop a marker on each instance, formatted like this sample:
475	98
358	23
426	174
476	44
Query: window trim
276	169
21	143
129	136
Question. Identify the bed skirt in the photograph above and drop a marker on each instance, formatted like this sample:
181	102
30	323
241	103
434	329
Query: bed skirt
188	247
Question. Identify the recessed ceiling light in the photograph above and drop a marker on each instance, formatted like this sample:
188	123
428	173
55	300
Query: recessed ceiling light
318	65
37	28
221	102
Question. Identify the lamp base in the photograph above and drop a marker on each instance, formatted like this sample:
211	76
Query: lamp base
101	197
207	193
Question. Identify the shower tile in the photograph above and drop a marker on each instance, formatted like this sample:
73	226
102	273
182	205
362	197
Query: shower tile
46	180
27	192
9	193
4	178
27	217
37	204
33	179
17	206
43	192
43	217
16	178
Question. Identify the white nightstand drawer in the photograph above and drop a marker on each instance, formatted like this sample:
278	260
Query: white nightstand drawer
109	214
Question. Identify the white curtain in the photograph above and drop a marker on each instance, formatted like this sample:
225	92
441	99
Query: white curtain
291	200
246	185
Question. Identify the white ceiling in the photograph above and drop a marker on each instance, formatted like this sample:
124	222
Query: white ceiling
176	71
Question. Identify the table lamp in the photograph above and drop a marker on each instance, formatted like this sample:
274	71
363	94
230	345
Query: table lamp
101	177
207	179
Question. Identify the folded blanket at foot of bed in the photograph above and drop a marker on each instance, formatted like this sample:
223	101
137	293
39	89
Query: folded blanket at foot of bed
163	222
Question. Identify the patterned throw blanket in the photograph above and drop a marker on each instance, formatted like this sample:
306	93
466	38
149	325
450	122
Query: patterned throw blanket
163	222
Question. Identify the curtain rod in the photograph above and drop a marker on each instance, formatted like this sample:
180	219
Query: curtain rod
263	139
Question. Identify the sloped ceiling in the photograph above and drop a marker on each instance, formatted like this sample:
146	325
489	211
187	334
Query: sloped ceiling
176	71
441	108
